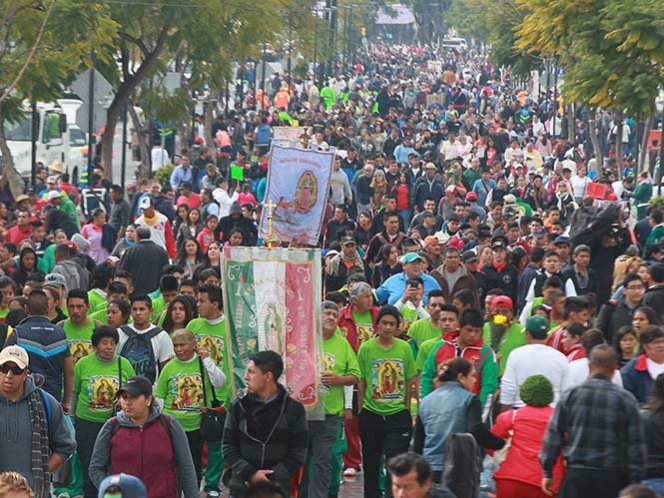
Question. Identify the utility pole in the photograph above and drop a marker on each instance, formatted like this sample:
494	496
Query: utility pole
91	107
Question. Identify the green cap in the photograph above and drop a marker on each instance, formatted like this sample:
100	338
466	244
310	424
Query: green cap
537	324
536	390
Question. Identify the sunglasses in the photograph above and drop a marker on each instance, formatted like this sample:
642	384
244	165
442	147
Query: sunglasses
5	369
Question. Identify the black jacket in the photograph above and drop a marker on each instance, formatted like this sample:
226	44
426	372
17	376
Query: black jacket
259	435
144	261
654	297
653	428
612	316
236	220
506	280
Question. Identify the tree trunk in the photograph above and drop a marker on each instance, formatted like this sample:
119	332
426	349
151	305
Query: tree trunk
121	98
643	159
209	117
594	138
141	131
571	124
9	174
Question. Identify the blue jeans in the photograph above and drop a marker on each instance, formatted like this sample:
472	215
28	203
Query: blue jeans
655	484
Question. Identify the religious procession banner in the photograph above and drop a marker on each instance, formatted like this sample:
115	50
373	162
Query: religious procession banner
271	300
298	185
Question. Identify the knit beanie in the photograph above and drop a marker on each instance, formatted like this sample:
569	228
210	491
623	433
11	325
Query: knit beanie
536	391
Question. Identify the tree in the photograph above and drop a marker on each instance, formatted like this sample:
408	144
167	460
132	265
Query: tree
211	33
611	51
42	47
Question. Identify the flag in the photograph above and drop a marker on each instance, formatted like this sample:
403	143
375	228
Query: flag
298	185
272	299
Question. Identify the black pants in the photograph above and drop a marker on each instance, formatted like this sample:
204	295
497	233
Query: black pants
387	435
196	447
86	435
590	483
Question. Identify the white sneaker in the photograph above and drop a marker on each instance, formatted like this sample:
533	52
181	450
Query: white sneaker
350	472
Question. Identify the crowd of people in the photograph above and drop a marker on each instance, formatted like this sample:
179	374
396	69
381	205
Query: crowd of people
489	285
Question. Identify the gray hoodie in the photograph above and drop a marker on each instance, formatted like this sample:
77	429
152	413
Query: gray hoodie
16	432
100	462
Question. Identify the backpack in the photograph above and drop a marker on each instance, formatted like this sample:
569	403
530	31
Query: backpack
46	401
139	351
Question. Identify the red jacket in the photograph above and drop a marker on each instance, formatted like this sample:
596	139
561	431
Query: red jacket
555	339
522	463
146	453
576	353
349	329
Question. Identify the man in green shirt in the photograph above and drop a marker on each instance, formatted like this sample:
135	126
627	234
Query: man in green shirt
427	328
98	295
388	380
341	370
503	337
8	291
78	327
448	321
115	291
210	333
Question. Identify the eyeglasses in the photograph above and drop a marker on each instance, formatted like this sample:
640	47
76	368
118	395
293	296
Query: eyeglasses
5	369
635	287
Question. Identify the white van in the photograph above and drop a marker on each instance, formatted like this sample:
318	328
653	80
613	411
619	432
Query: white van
455	43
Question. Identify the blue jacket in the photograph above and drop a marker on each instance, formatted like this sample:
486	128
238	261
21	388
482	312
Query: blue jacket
393	288
637	379
179	175
443	412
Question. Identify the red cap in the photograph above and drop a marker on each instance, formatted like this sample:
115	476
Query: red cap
501	302
471	196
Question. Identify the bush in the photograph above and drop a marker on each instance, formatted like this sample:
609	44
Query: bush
163	175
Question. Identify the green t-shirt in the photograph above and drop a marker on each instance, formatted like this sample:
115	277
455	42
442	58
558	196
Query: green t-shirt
422	330
180	385
385	373
409	315
3	314
97	299
96	383
212	335
100	316
158	305
364	326
425	350
79	339
513	337
338	358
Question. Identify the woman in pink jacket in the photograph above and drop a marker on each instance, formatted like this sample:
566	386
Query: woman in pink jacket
520	475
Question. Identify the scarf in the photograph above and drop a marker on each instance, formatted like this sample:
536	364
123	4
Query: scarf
40	450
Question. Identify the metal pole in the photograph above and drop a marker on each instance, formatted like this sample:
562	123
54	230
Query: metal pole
290	49
241	78
263	78
33	145
123	170
256	84
555	100
227	97
193	117
344	57
91	107
315	43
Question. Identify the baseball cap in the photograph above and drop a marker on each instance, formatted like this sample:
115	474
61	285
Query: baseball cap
348	240
411	257
499	241
471	196
55	280
14	354
469	257
431	166
509	199
146	202
51	179
53	194
561	240
130	486
137	386
430	240
502	302
331	253
21	198
537	324
450	189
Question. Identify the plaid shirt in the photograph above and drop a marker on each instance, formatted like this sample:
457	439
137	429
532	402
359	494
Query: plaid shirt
597	426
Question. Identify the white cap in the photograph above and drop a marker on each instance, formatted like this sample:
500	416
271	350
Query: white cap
14	354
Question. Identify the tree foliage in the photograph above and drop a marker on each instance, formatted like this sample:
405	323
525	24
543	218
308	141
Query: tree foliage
611	51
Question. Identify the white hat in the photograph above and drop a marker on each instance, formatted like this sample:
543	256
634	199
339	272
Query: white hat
53	194
145	203
14	354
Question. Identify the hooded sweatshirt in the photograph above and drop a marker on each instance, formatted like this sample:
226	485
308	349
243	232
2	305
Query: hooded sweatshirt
16	432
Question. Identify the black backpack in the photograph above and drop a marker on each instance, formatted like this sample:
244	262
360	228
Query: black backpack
139	351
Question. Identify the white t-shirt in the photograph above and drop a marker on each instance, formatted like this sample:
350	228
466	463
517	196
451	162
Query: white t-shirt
579	186
533	359
654	369
161	344
579	370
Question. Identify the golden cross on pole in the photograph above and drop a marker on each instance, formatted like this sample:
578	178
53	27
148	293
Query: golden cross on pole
270	240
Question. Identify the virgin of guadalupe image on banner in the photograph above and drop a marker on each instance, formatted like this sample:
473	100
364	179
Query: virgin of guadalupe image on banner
298	185
271	300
